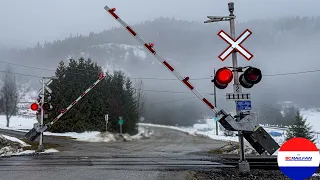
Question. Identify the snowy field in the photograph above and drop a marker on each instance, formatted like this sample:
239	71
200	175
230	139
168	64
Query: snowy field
25	124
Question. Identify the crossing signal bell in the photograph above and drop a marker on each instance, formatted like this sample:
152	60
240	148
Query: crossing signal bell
222	78
250	77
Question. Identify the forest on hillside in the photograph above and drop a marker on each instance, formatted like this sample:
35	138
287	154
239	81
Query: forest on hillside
193	47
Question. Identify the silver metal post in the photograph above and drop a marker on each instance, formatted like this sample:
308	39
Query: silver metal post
215	100
42	115
237	88
120	129
107	119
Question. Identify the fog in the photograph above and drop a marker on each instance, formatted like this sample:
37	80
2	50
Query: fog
24	23
281	43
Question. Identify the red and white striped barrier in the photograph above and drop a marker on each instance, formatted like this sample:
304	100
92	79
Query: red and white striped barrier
150	48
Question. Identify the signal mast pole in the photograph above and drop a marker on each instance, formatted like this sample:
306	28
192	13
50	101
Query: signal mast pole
237	88
215	101
40	148
244	167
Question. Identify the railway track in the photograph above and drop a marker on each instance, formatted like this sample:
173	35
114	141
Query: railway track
267	163
255	162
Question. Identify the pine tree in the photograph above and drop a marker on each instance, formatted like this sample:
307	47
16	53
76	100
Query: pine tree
111	96
300	128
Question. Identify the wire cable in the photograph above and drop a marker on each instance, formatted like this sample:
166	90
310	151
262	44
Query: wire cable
154	78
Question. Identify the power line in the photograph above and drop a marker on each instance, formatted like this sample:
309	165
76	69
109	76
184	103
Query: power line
175	92
164	102
87	70
153	78
292	73
21	74
25	42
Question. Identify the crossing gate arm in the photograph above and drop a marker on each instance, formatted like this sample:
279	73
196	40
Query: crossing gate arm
152	50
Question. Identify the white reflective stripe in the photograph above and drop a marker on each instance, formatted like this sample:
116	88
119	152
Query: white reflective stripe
244	52
161	59
244	35
313	163
226	53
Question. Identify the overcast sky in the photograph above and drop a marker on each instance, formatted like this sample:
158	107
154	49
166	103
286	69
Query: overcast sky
24	22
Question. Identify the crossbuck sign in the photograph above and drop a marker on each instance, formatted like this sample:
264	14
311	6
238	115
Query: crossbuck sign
235	45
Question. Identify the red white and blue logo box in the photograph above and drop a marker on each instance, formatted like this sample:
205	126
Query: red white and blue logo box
298	158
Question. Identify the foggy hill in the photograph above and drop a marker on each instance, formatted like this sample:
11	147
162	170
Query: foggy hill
193	49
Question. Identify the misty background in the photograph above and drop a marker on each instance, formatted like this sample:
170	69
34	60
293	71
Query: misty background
285	39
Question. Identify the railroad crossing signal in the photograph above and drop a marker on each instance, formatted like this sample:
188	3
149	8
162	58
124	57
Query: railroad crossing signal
250	77
235	45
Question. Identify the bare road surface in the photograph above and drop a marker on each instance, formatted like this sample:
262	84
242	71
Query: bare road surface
168	154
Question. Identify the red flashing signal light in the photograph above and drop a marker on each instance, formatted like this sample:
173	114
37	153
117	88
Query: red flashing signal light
34	106
250	77
222	78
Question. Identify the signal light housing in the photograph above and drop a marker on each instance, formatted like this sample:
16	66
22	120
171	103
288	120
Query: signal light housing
47	107
222	78
250	77
34	106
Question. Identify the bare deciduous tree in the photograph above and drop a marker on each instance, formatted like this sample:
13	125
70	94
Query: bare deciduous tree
9	94
140	98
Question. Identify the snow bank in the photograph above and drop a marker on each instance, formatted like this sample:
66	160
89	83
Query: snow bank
30	152
188	130
11	146
14	139
95	136
144	132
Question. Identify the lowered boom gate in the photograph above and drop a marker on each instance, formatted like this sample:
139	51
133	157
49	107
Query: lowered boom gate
260	140
35	132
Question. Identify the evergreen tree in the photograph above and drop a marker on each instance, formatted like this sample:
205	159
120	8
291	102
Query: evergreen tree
110	96
300	128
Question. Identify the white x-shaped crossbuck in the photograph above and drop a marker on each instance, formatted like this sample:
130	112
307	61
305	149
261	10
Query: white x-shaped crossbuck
235	45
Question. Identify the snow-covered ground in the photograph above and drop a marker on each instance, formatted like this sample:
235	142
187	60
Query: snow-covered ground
25	124
11	146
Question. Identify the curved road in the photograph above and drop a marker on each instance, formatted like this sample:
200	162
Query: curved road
168	154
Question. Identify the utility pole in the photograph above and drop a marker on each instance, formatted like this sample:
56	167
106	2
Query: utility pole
215	102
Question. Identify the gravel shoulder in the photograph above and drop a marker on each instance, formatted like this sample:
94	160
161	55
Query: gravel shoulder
232	174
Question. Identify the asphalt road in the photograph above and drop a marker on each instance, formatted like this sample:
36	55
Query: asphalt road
169	154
